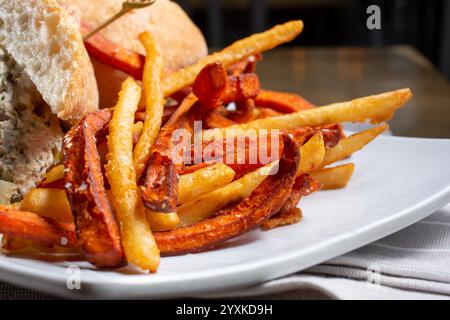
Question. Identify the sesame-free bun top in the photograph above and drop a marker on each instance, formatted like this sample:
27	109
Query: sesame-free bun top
42	38
181	42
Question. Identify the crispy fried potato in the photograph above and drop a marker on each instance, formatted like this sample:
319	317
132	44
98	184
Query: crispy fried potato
96	226
248	214
53	175
160	221
30	226
137	239
236	52
283	102
376	108
205	206
50	203
203	181
347	146
311	154
335	177
284	218
154	103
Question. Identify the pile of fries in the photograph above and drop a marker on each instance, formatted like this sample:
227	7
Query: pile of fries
137	184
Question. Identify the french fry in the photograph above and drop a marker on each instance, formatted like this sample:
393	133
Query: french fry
137	129
236	52
376	108
202	181
53	175
205	206
311	154
335	177
137	239
47	202
347	146
154	103
160	221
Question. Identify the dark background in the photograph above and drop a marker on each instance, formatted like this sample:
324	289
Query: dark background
424	24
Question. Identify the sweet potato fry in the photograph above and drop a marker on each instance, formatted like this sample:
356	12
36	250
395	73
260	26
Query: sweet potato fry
347	146
50	203
114	55
304	185
30	226
216	120
214	88
160	190
282	101
247	215
377	108
335	177
97	229
200	182
154	103
137	239
239	50
282	218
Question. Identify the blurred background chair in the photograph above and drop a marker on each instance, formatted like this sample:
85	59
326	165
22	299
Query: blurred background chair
422	24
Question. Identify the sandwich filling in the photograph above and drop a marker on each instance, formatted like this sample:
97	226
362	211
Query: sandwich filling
30	135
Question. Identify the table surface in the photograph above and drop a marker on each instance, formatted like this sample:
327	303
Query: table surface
326	75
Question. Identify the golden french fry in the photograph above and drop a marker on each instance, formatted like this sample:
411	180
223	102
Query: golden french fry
207	204
377	108
54	174
160	221
50	203
335	177
202	181
236	52
137	238
154	102
137	129
311	154
347	146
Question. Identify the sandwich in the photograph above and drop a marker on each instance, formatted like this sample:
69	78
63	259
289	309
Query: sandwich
179	39
46	81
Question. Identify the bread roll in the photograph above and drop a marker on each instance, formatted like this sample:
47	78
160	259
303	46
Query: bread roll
45	40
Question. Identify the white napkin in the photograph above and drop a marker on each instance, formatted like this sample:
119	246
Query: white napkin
413	263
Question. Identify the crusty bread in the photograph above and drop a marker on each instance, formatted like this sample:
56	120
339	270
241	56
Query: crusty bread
181	42
45	40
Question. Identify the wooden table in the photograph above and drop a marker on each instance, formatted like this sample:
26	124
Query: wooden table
326	75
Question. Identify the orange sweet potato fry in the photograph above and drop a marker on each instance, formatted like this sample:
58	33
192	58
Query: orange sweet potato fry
247	215
30	226
114	55
282	101
97	228
160	190
214	88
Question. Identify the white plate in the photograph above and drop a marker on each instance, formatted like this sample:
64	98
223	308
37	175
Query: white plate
397	182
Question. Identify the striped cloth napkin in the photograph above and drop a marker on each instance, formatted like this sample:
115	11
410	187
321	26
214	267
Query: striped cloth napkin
413	263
